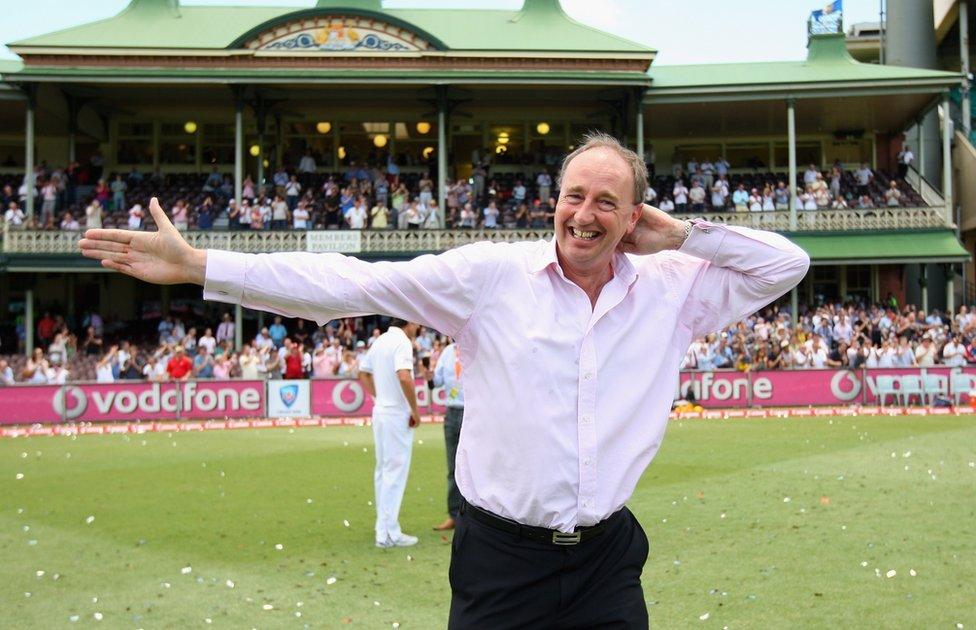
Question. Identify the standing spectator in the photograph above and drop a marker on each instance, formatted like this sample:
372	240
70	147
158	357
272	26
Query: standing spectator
135	217
279	213
248	362
292	191
180	214
379	216
926	353
543	182
740	198
905	159
491	215
518	192
118	193
208	341
863	176
954	353
357	215
103	369
307	163
720	194
293	363
426	187
49	197
301	217
277	332
680	193
324	364
93	215
697	197
810	175
205	214
432	218
225	331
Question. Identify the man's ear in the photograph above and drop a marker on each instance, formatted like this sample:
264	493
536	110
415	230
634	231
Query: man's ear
635	216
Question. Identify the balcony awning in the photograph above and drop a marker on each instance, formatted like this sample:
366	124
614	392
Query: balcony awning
932	246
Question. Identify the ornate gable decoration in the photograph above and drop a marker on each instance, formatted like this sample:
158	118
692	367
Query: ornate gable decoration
338	34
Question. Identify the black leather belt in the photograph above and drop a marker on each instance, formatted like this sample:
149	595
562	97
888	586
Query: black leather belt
538	534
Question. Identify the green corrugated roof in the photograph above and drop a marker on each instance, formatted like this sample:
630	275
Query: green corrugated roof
828	62
923	246
540	26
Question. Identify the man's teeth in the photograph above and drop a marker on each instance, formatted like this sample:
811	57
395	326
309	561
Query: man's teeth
583	235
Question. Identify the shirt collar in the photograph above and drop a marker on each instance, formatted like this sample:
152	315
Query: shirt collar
545	256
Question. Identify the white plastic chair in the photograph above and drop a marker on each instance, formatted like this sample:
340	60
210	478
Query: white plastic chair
962	384
886	387
934	385
911	385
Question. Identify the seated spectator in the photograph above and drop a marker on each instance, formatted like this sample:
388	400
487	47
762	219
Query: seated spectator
14	216
491	213
69	224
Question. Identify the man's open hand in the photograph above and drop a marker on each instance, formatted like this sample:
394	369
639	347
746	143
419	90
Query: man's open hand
161	257
655	231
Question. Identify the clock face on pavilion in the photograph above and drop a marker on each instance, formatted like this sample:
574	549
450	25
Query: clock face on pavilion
338	34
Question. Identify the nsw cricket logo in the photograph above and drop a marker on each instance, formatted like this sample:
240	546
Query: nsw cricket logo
289	394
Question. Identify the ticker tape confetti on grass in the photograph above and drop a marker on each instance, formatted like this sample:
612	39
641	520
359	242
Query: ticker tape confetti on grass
100	428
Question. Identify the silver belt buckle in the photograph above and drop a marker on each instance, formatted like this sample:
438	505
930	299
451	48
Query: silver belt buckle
566	538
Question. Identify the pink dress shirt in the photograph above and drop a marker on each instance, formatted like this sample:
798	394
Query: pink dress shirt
566	404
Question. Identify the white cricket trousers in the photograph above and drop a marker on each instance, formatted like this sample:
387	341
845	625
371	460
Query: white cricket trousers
394	443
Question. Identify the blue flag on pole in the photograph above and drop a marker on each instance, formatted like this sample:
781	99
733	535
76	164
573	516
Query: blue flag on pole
827	19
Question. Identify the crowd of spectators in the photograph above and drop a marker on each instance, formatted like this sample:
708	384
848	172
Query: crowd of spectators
377	195
702	187
179	353
835	335
840	336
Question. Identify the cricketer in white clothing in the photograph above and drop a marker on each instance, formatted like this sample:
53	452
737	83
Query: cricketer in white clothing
387	373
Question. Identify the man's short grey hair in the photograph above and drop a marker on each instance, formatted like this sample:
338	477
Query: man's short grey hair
598	139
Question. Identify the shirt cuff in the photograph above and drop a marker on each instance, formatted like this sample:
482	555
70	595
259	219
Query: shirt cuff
224	278
704	241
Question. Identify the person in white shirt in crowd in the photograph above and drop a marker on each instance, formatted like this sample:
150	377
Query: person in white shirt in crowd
720	194
871	354
14	216
905	159
692	165
964	319
432	217
666	205
888	354
356	217
755	201
650	196
103	369
926	353
300	216
208	341
680	193
543	182
134	221
69	223
843	329
697	197
248	362
708	173
953	352
35	370
6	373
863	177
307	163
292	191
387	374
817	353
892	195
94	214
154	370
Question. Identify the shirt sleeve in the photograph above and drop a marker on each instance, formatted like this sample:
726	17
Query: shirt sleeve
403	356
739	270
439	291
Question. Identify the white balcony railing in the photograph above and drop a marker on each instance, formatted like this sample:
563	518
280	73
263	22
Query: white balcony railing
417	241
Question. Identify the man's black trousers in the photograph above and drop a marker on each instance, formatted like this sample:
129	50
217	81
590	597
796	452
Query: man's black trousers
499	580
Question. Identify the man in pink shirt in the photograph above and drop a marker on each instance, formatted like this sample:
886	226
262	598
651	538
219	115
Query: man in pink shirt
556	434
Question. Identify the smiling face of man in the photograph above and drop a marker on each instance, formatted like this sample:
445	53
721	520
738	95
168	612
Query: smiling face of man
595	210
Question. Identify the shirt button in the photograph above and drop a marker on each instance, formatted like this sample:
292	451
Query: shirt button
586	462
588	376
585	419
586	503
222	292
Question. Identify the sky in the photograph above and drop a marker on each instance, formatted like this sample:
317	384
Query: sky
703	31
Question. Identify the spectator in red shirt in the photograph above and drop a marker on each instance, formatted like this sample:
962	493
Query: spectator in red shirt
45	328
180	366
293	362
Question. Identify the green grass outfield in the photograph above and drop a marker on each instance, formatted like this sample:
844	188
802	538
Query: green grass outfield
770	523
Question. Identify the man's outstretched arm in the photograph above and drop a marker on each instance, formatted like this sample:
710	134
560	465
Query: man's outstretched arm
438	291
